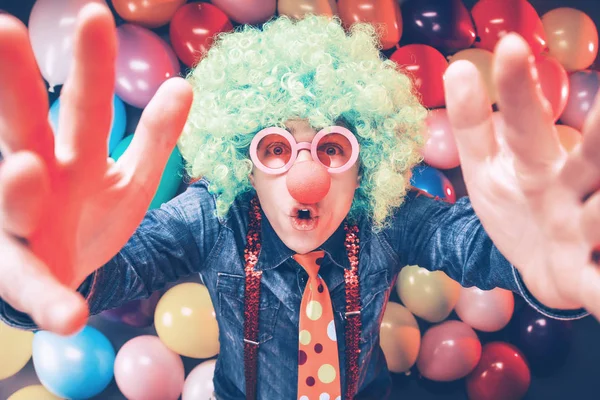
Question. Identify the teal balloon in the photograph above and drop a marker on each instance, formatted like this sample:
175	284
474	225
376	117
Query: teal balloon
171	178
117	127
79	366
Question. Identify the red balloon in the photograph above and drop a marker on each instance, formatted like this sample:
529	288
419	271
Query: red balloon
426	66
192	30
502	374
494	18
382	13
554	82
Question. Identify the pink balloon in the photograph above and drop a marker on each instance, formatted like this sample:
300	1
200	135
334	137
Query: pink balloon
485	310
583	86
145	369
199	383
144	62
449	351
554	82
52	26
440	149
248	11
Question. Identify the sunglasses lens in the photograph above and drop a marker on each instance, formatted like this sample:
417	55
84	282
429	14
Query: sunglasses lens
334	150
274	151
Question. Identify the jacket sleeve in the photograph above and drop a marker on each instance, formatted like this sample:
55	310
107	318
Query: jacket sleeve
437	235
172	242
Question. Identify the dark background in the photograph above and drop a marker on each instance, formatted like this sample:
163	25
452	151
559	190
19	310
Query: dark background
575	378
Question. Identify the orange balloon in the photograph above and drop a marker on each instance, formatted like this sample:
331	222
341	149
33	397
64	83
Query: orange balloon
572	37
148	13
384	14
483	61
299	8
426	66
569	137
400	338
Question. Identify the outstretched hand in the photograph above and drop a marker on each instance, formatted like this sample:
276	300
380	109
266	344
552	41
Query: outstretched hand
65	208
539	204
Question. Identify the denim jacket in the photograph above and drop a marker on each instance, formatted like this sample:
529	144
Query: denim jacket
184	237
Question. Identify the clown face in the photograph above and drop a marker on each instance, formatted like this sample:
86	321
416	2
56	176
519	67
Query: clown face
305	191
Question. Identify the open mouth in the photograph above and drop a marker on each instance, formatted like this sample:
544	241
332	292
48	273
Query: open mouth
304	218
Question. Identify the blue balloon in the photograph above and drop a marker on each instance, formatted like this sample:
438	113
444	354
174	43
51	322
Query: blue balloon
117	129
74	367
433	182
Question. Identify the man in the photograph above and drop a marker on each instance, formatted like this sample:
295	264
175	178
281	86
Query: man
306	140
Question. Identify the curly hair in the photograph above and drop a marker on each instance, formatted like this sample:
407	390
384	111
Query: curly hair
307	69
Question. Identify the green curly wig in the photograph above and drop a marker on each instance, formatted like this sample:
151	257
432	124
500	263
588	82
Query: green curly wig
309	69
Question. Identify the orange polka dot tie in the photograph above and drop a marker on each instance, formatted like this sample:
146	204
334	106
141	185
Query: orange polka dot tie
318	361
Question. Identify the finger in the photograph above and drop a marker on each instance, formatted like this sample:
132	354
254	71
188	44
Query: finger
23	99
582	170
159	128
590	220
27	285
86	99
470	113
24	187
529	126
589	289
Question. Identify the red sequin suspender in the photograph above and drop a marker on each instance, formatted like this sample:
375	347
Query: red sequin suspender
252	301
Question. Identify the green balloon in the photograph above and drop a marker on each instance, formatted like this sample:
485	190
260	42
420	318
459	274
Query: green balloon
171	177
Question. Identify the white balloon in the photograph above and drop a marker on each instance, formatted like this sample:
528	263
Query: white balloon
199	383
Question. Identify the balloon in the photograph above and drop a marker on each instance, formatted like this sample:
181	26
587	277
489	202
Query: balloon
502	374
449	351
299	8
34	392
193	28
171	177
426	66
148	13
144	62
495	18
583	86
443	24
440	148
485	310
248	11
572	37
15	349
145	369
117	128
483	61
78	366
136	313
544	341
430	295
52	26
568	137
400	338
186	322
199	383
554	82
378	12
433	182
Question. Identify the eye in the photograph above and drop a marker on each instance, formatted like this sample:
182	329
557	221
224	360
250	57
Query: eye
277	149
332	149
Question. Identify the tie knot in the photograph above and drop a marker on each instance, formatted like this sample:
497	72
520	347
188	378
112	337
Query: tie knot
311	262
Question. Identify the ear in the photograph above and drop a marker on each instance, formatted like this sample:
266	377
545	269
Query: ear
358	178
251	177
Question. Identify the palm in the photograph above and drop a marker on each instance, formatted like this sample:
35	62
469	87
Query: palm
530	195
75	208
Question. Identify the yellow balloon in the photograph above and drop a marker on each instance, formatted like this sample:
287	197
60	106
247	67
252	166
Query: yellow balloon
400	338
299	8
35	392
15	350
569	137
483	61
185	321
572	37
429	295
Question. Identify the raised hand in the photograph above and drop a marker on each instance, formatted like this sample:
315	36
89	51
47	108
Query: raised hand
65	208
539	205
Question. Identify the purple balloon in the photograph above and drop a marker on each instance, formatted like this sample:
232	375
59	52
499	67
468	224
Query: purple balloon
583	86
137	313
144	62
249	11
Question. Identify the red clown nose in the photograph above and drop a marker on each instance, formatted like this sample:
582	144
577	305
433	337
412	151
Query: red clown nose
308	182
